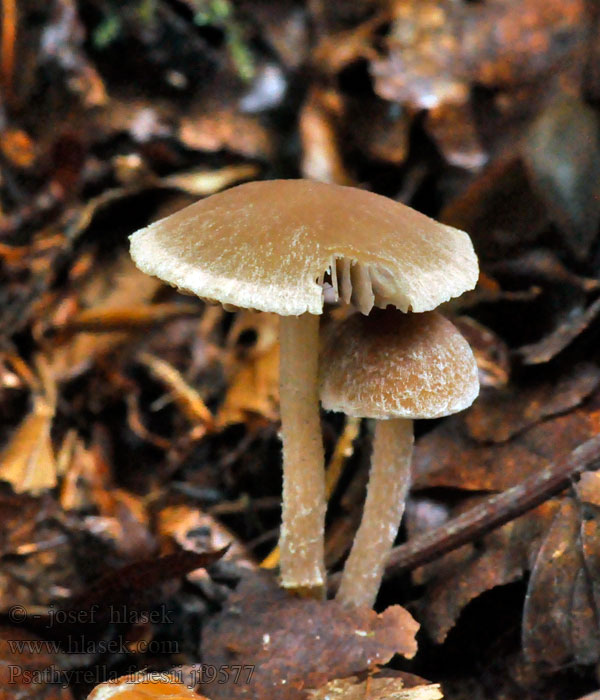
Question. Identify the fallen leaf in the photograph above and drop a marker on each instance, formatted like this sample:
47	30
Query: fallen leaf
142	685
295	644
28	462
450	456
253	393
550	346
498	415
375	688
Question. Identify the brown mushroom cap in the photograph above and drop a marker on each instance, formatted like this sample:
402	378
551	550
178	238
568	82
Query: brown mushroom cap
270	245
394	365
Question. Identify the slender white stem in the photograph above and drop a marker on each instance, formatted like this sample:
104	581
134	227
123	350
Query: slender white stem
303	518
386	493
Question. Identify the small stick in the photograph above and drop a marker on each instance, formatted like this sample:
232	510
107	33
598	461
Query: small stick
495	511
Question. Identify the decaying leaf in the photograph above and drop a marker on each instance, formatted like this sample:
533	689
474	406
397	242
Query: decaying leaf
560	618
296	644
463	575
451	455
376	688
498	415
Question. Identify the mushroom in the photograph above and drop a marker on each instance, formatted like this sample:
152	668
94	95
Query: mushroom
275	246
395	368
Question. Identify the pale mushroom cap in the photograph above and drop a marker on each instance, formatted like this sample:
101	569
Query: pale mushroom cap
269	245
394	365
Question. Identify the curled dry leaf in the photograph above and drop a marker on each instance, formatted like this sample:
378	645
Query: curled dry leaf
295	644
28	462
560	620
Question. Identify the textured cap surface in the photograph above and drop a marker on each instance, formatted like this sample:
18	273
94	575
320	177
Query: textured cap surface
394	365
271	246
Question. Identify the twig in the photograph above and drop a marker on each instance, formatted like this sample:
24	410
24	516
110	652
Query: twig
492	513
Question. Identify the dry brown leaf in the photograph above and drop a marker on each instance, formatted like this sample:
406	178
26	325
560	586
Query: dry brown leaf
216	124
562	154
18	147
115	286
185	396
375	688
461	576
144	686
450	456
560	619
28	461
453	128
498	415
254	391
295	644
252	361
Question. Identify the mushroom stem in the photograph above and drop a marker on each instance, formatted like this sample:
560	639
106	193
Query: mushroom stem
386	493
303	512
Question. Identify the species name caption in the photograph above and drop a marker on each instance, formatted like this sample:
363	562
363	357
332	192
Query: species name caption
191	676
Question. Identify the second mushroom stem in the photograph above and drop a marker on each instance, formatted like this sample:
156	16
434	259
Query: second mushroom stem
302	530
384	505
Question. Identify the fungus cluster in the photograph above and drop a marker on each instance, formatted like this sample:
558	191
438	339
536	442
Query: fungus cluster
276	246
